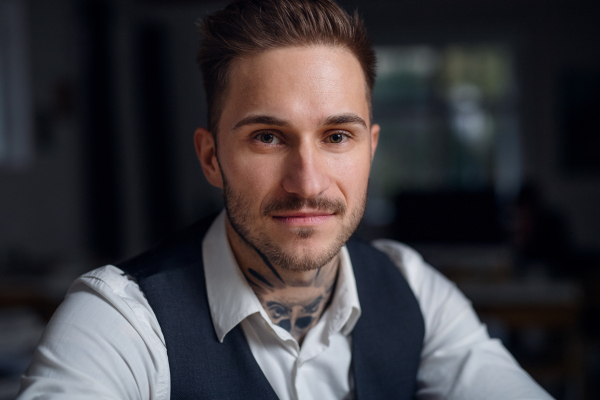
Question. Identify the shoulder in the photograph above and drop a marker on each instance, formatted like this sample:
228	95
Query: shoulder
424	280
440	301
458	359
123	293
406	258
103	335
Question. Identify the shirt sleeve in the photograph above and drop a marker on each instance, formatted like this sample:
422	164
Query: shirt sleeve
459	360
103	342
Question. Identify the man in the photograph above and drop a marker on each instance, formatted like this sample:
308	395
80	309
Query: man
271	299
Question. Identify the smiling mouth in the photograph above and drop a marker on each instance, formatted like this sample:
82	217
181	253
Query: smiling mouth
295	211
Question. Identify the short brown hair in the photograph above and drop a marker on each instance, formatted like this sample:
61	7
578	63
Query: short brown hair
252	26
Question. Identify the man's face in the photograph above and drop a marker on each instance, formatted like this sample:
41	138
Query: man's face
294	152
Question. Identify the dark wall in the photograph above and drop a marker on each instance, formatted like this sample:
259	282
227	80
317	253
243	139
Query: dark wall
119	169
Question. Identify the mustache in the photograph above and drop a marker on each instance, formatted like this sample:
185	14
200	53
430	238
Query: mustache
295	203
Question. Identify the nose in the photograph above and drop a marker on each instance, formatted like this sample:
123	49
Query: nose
306	173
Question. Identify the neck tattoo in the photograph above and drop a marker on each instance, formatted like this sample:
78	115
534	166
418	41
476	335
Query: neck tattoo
295	306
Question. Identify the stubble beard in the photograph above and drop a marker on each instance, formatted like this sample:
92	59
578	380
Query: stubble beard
239	214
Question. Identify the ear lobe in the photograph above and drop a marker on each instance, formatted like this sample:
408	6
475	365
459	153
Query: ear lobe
375	128
206	151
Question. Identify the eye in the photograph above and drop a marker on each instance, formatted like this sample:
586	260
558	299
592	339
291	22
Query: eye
337	137
268	138
277	310
311	308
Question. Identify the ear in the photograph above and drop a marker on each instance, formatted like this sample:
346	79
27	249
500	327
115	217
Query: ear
206	150
375	128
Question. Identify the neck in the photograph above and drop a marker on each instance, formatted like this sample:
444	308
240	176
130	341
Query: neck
294	300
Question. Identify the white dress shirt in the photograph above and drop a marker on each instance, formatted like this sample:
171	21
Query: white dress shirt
104	341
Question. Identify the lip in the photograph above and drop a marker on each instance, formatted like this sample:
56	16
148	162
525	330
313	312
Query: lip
303	218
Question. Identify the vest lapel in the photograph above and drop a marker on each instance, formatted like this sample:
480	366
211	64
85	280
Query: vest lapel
388	337
172	278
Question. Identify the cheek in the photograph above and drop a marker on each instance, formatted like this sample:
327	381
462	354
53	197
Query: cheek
252	174
352	175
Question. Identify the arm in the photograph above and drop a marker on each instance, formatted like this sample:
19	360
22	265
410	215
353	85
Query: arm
458	360
103	342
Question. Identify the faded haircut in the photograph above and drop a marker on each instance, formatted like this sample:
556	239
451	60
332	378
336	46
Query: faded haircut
252	26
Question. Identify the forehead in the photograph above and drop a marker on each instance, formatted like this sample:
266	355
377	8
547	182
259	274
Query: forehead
302	85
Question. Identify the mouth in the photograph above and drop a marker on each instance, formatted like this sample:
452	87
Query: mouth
303	218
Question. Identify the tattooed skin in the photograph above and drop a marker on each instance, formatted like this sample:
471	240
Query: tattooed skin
294	308
294	300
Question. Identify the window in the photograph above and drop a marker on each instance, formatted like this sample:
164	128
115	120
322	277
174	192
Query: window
449	123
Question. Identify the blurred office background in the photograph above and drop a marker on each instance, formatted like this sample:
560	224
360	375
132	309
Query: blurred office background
488	163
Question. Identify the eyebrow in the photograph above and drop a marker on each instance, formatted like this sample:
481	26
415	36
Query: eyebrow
340	119
286	309
261	120
312	305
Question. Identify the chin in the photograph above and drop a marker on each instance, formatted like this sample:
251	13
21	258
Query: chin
301	262
305	253
305	232
307	240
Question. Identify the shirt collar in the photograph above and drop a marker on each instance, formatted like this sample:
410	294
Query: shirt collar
345	306
231	299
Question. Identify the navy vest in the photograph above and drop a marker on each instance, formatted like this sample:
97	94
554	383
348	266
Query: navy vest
386	341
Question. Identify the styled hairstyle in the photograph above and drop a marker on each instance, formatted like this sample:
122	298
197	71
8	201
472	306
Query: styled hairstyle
252	26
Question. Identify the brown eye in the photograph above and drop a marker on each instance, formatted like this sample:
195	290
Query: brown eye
267	137
337	138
